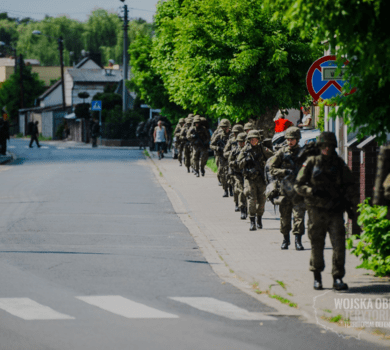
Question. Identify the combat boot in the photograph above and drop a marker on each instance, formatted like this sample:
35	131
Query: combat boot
225	193
298	242
253	224
188	169
243	213
259	224
317	281
286	241
231	191
180	163
236	207
197	173
202	171
219	183
338	284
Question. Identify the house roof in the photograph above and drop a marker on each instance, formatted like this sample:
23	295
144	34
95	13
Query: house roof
94	75
40	109
366	141
84	61
50	90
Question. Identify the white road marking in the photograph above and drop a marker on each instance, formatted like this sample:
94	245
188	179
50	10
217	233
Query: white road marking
60	147
44	147
11	146
28	309
125	307
224	309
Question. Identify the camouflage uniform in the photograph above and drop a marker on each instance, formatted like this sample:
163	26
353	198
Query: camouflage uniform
187	145
326	183
200	138
252	161
217	144
284	166
179	144
237	174
232	143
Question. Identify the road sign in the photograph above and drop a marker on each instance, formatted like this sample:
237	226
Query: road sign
322	81
96	105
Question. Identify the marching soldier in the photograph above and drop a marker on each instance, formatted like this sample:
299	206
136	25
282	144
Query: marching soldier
232	143
237	174
328	187
284	167
185	141
179	144
218	144
200	138
248	127
252	159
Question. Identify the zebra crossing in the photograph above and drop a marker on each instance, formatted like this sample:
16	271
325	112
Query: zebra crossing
30	310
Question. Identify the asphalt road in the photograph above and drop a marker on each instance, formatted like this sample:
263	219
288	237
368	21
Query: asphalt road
92	256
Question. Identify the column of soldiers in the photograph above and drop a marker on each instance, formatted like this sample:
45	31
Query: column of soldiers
313	179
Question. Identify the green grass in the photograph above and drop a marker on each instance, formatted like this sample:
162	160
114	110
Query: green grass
327	310
19	135
281	284
231	271
211	164
283	300
43	138
146	153
339	319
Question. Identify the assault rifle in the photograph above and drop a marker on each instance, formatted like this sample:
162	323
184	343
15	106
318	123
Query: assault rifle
256	167
221	143
197	138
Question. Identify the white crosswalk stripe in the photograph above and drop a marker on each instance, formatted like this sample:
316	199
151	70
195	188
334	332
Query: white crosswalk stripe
28	309
223	308
125	307
60	147
44	147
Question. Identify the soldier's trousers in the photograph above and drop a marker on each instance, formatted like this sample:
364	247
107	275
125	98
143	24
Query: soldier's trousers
217	164
200	155
181	150
187	155
239	190
254	191
320	222
222	172
298	211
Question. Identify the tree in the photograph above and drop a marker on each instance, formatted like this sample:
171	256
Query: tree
360	32
10	91
228	59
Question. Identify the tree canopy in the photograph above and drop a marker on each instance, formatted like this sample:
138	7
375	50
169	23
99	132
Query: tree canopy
357	30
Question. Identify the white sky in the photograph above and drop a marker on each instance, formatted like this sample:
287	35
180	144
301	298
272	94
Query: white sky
76	9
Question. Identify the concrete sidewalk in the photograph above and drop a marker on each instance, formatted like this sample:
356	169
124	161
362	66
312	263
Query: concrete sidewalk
254	262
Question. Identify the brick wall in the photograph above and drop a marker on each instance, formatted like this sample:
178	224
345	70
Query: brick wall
354	165
368	170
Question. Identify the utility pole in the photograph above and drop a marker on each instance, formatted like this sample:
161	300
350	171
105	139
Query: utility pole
125	55
61	49
21	63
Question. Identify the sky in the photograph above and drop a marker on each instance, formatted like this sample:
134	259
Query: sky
76	9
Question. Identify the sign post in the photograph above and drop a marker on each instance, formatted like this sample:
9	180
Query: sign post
97	106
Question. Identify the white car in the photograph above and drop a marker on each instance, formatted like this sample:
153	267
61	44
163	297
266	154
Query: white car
307	136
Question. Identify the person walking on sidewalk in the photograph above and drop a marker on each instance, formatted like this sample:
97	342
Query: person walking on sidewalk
34	134
327	185
179	145
186	142
200	138
218	144
95	131
284	167
252	159
160	138
213	136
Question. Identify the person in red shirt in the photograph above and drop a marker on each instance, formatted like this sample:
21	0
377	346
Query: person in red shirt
282	124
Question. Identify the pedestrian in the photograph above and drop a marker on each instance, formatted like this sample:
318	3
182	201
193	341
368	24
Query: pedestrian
327	184
200	138
284	167
95	131
179	144
251	160
282	123
186	142
34	134
160	138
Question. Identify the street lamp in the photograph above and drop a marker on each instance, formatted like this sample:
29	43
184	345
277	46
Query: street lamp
125	55
60	41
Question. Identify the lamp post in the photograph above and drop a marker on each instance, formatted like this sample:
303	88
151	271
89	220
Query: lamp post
60	41
125	55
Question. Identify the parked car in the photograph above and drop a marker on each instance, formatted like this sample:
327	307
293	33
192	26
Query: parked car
307	136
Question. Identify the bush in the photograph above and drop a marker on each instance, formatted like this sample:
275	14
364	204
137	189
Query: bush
374	245
212	165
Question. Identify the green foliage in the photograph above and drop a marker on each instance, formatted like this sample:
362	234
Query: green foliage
359	30
321	116
227	59
373	247
110	101
8	33
10	91
212	165
82	110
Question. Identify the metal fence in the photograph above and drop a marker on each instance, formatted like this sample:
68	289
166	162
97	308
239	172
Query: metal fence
121	131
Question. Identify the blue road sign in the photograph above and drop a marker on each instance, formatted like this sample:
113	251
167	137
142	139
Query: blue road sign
96	105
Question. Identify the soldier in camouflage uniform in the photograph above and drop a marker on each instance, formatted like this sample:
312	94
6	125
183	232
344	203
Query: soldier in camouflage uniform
251	160
232	143
218	144
179	145
328	187
215	133
237	174
248	127
186	142
200	138
284	166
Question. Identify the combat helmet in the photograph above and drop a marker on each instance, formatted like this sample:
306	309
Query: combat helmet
197	119
190	115
327	137
241	137
224	123
181	120
248	126
254	134
238	128
293	133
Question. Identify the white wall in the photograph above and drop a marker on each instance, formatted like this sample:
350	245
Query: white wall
54	98
91	89
293	116
68	88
